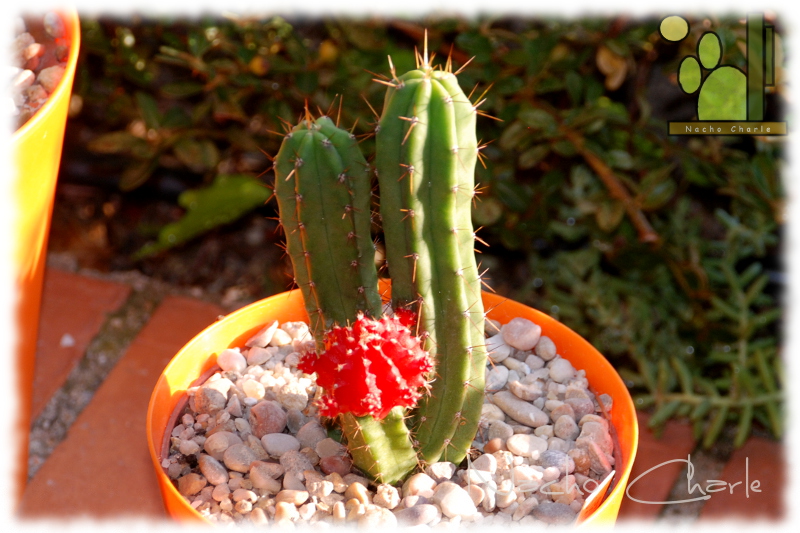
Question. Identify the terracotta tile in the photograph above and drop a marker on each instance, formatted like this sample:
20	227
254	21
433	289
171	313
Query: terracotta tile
759	460
676	442
73	307
103	469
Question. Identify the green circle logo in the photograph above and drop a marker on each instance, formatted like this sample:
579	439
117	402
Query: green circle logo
674	28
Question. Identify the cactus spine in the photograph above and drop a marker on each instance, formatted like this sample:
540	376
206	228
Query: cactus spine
322	183
426	153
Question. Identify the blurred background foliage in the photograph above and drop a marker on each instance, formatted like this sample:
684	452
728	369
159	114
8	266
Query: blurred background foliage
663	251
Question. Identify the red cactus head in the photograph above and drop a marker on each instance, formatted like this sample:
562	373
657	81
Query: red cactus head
369	368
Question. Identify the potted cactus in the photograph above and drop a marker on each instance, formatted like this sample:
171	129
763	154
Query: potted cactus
404	378
425	161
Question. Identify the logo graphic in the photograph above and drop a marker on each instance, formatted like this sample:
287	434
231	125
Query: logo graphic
729	101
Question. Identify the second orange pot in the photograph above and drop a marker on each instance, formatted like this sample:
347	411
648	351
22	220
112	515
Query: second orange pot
198	358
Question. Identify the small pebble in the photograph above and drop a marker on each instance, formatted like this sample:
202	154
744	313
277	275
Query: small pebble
263	337
208	400
53	25
267	416
295	460
286	511
295	497
386	496
418	484
495	445
453	500
216	444
214	471
311	434
191	484
496	378
280	338
558	459
554	513
339	464
239	457
497	349
566	428
486	463
521	333
328	447
253	389
526	445
277	444
418	515
293	395
491	412
581	406
521	411
258	355
232	360
561	370
357	491
545	348
441	471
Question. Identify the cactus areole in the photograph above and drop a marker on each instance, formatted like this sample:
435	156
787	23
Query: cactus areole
372	369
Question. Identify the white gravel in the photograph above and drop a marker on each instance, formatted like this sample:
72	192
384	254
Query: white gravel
251	449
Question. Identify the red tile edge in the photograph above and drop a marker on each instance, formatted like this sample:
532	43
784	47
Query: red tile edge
676	442
103	469
74	308
756	482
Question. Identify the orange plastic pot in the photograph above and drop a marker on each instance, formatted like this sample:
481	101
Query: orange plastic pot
198	360
36	151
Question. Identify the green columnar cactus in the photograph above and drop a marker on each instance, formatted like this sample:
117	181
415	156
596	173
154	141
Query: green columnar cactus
426	154
323	189
372	368
324	196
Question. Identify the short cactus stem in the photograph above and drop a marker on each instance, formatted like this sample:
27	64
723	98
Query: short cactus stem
369	367
381	449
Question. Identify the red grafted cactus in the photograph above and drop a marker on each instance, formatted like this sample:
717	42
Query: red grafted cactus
370	367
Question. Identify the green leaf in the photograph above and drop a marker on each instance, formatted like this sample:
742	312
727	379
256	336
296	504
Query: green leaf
119	142
564	148
715	426
181	89
197	154
684	374
513	135
538	119
574	83
509	85
487	211
136	174
663	413
476	45
532	156
609	214
228	198
148	107
620	159
743	429
513	195
176	117
700	410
